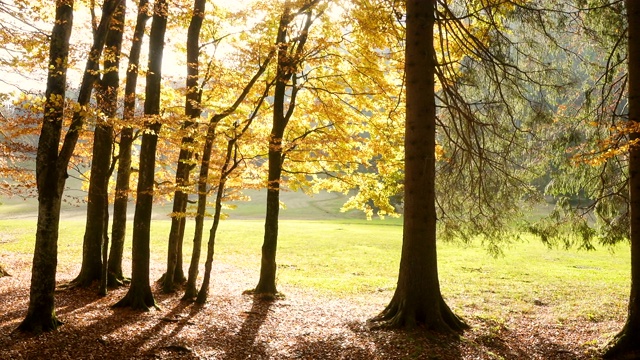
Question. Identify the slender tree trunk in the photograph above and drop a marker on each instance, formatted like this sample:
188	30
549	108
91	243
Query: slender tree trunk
121	201
417	299
208	265
139	295
190	291
289	58
228	166
626	344
92	245
102	160
192	111
41	315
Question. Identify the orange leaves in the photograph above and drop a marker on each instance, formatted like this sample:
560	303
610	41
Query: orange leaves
616	144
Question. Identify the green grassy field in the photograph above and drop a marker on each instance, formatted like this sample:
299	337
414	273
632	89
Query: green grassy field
350	258
343	255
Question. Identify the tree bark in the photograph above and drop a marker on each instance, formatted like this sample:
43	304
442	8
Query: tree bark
121	201
190	291
626	344
174	271
289	58
108	102
41	315
139	295
92	245
417	299
96	233
229	165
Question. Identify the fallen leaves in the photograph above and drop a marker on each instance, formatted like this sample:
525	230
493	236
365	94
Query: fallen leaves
302	325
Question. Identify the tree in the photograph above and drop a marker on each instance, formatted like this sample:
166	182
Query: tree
192	110
231	162
121	200
96	230
139	295
626	344
104	133
289	55
41	314
51	163
92	246
190	291
417	299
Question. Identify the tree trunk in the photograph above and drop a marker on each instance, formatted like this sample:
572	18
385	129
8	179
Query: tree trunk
192	111
626	344
289	59
92	245
417	299
41	314
228	166
190	290
139	295
208	265
121	201
108	103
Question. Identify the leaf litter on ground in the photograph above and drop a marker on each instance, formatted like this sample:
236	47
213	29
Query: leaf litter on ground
302	325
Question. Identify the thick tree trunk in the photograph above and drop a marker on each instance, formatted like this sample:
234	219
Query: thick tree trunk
139	295
417	300
41	314
98	198
192	110
626	344
121	201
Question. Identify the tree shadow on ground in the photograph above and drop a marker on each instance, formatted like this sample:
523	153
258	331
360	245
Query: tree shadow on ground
243	344
66	301
493	337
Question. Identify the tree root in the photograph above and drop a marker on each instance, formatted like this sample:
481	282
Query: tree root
3	272
397	315
264	296
623	347
137	300
35	325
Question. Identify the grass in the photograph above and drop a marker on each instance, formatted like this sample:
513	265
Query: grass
347	258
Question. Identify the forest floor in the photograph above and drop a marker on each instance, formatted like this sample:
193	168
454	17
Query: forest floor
301	325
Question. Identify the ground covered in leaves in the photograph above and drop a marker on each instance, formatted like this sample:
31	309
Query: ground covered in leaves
302	325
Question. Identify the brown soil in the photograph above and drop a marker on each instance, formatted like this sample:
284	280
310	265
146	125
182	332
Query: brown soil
303	325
